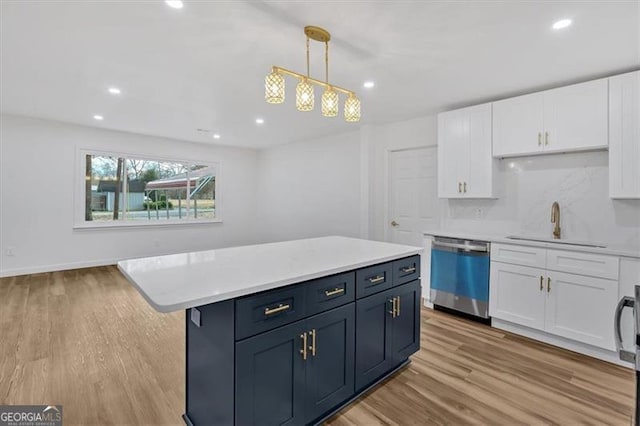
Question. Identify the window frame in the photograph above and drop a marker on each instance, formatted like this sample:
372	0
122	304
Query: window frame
79	221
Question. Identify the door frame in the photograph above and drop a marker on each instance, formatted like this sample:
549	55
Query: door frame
386	175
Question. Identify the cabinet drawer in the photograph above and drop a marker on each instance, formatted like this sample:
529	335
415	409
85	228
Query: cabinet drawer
405	270
594	265
519	255
373	279
265	311
330	292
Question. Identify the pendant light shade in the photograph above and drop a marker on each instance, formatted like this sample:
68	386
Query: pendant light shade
274	88
304	96
352	109
330	103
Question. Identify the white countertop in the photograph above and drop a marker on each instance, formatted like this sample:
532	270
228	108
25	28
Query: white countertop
180	281
609	250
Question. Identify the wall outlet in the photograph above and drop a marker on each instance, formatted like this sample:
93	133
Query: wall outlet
10	251
478	213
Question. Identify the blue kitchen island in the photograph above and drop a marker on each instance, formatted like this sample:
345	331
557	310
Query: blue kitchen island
289	332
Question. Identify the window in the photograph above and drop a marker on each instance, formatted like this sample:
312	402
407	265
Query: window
122	189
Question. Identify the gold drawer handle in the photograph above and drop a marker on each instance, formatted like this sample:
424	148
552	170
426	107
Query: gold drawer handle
409	270
539	139
280	308
303	351
398	306
548	285
393	307
546	138
541	283
313	342
334	292
377	279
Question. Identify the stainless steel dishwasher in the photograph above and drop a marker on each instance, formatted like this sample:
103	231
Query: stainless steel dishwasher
460	275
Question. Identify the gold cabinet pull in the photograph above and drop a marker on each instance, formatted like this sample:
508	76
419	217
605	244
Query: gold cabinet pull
313	342
303	351
548	284
465	187
546	138
539	139
541	283
393	307
333	292
409	270
377	279
280	308
398	306
460	187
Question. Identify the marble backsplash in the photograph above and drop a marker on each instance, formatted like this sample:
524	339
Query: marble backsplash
527	187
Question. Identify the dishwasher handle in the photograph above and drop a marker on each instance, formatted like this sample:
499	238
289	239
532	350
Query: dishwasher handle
460	246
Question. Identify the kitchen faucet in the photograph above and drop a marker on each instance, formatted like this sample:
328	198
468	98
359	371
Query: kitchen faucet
555	218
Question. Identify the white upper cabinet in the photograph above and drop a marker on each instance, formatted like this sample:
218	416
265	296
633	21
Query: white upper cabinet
575	117
624	136
571	118
518	125
465	163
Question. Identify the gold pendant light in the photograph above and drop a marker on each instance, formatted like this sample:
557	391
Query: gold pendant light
352	109
275	86
304	96
330	103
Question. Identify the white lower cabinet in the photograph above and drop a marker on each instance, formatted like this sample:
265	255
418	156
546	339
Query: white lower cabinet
515	294
573	306
581	308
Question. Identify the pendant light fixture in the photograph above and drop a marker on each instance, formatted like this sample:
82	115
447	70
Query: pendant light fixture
275	85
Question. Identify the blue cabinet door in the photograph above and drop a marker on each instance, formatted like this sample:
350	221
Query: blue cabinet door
270	378
406	325
373	337
329	368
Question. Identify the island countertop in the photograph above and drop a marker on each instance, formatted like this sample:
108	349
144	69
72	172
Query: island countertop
181	281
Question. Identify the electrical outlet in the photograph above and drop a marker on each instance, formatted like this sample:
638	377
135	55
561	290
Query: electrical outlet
478	213
11	251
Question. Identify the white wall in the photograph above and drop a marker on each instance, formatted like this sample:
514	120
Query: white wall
310	189
37	183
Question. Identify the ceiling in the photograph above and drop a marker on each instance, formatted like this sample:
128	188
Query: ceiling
203	66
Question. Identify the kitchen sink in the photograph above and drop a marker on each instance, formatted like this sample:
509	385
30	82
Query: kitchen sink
553	241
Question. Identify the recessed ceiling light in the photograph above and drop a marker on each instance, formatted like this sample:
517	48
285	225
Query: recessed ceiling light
369	84
176	4
98	117
216	136
563	23
114	90
259	120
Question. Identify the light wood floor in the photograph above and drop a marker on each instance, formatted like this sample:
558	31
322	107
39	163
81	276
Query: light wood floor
87	340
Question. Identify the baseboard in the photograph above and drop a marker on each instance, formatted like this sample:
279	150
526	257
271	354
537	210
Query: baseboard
56	268
426	303
581	348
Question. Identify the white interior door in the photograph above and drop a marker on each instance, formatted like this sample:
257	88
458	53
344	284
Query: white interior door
413	195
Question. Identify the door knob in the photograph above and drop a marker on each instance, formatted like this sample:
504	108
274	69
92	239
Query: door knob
394	223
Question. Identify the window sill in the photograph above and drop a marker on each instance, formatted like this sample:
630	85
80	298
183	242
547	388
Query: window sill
132	224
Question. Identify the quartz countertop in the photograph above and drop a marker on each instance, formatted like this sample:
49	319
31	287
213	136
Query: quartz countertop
180	281
502	239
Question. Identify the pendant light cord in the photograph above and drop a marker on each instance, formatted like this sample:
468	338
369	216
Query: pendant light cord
308	73
326	60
